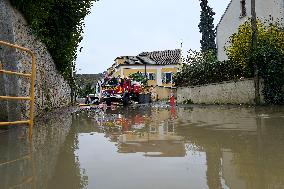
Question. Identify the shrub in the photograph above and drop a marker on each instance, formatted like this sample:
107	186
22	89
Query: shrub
203	69
271	62
269	56
139	77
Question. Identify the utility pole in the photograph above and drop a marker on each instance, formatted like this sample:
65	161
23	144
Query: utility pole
254	45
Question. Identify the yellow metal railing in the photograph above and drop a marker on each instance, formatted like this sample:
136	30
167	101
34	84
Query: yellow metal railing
31	98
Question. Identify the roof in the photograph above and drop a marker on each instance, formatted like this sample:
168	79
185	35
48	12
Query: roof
162	57
166	57
224	13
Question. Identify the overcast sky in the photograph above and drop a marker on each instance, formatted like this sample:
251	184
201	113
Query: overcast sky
128	27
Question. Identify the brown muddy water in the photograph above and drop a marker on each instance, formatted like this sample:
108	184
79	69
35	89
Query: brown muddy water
148	148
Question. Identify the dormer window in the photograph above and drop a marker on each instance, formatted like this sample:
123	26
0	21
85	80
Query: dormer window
243	8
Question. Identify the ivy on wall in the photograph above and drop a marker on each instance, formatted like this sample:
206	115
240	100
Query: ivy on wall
59	25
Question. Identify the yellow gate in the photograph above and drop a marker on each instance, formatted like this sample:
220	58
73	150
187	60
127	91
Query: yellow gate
31	98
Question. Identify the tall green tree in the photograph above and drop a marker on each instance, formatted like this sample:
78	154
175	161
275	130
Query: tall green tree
268	54
206	28
59	25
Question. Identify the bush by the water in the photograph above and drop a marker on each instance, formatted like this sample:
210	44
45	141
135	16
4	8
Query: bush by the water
204	68
268	55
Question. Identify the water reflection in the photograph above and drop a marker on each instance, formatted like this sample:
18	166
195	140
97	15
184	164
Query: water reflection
36	164
144	147
141	130
242	145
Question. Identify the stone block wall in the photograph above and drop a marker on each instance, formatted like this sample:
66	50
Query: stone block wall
231	92
51	90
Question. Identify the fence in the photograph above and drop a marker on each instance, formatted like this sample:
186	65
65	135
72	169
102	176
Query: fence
30	98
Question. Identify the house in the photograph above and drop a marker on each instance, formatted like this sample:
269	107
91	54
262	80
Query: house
159	66
238	11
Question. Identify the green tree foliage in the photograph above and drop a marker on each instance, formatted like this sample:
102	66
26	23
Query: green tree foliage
59	25
139	77
86	90
206	28
269	55
86	83
239	51
204	68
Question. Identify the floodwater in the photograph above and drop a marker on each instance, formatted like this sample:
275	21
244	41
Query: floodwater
210	147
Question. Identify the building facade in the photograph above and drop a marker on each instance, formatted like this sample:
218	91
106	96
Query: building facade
238	11
159	66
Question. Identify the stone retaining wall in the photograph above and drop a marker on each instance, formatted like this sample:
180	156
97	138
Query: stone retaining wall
231	92
51	90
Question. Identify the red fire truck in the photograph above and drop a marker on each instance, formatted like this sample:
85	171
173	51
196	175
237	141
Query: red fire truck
119	90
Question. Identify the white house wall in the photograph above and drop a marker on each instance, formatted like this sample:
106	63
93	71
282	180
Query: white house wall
266	10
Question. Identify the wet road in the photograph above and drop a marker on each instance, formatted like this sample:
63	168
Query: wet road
149	147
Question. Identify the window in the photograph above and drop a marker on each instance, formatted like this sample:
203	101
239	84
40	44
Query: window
151	76
167	78
243	8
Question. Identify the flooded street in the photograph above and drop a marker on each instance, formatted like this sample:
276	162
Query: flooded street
210	147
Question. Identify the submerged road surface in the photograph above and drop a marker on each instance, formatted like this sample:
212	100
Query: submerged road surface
148	148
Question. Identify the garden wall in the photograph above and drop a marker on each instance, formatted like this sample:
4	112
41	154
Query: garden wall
230	92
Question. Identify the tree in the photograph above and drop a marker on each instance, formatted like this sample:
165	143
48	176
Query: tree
139	77
240	51
204	68
206	28
268	54
59	25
